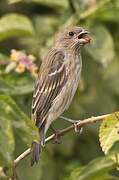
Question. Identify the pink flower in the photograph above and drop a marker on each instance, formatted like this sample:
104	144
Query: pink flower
23	62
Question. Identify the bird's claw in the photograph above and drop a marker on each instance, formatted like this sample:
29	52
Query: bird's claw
77	129
56	139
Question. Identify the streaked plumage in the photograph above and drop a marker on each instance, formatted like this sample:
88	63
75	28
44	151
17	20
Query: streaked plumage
58	80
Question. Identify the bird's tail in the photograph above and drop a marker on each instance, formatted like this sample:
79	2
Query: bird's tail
37	147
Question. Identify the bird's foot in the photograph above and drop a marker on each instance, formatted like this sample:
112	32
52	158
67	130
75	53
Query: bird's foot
56	139
77	129
69	120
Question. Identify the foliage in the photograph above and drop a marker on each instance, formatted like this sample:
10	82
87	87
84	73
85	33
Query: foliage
109	132
94	171
28	27
18	25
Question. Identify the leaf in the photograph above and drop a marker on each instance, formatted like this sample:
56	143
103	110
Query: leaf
108	14
113	153
102	46
16	84
111	75
114	148
22	124
109	132
95	170
7	89
3	56
7	143
50	3
12	25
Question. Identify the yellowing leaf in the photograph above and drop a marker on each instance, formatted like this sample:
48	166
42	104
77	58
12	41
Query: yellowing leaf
109	132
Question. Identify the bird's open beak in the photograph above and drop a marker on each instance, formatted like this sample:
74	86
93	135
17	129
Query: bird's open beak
83	37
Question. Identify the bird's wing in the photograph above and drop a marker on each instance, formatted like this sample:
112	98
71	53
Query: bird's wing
52	78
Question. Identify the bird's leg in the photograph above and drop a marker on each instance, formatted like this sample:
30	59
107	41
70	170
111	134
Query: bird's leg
69	120
56	135
74	122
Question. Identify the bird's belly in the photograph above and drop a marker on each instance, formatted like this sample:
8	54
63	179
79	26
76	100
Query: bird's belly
64	99
71	89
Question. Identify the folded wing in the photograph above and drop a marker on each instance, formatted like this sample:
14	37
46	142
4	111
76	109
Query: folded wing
52	78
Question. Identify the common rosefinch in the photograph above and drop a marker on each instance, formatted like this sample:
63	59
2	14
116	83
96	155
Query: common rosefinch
57	81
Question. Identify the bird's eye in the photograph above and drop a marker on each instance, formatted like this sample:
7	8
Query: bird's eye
71	33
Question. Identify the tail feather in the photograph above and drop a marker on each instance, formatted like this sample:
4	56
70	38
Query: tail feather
42	135
37	147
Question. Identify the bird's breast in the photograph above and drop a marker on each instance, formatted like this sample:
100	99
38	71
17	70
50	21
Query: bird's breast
73	65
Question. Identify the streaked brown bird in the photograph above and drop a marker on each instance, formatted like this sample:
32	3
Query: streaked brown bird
57	81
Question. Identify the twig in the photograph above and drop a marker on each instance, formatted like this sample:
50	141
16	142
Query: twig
72	6
61	132
77	16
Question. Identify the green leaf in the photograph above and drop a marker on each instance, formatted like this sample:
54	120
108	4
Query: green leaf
12	25
108	14
49	3
109	132
95	170
114	148
3	56
16	84
22	124
102	46
7	89
7	143
111	75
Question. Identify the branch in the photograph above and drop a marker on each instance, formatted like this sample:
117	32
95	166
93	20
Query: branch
77	16
61	133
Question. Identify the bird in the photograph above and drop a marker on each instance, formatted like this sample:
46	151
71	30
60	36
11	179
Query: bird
57	81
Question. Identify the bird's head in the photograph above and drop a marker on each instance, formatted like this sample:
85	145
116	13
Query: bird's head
72	38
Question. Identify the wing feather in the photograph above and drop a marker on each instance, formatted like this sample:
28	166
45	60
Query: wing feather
51	79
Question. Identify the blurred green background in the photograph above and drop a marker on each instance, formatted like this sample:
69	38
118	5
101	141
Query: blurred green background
30	25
